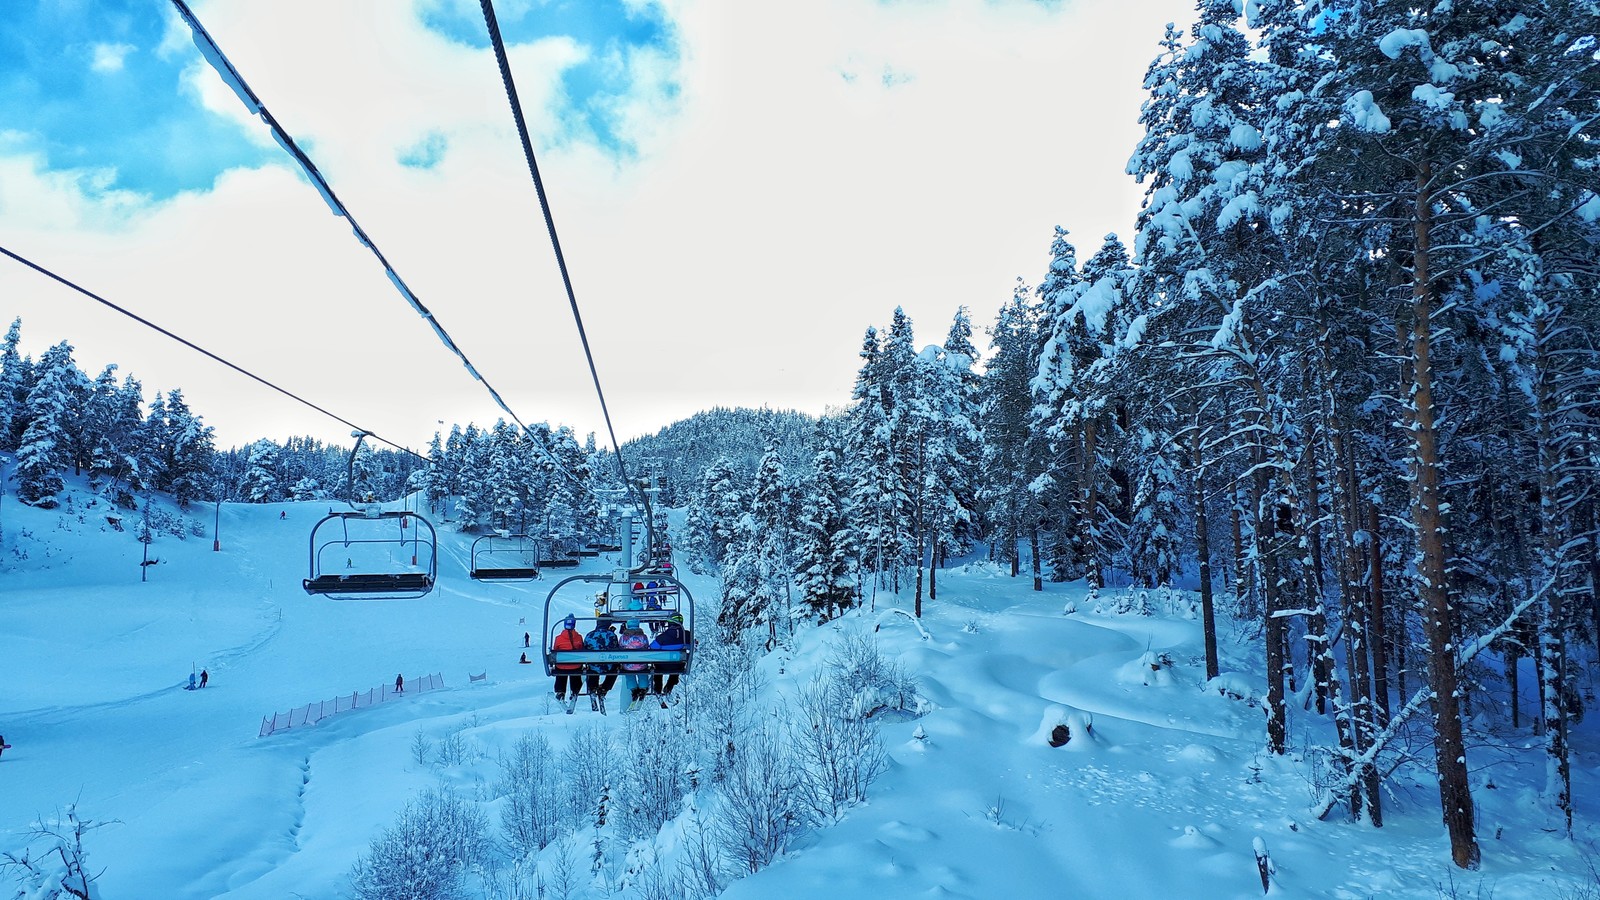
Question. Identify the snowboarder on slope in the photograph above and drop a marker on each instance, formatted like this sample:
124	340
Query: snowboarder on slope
204	677
400	683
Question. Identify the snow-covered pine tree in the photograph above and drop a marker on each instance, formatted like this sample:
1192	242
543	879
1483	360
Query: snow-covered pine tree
435	483
770	514
825	554
260	482
181	446
963	477
471	479
42	455
14	379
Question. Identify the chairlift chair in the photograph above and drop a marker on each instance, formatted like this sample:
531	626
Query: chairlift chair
616	612
381	575
505	557
372	531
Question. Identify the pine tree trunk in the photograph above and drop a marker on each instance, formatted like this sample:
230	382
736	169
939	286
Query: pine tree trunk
1240	586
1273	632
1378	636
1346	507
1202	544
1553	623
1089	516
1033	552
1432	567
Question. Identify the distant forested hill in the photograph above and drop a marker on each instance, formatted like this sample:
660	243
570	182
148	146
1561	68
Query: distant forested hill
683	450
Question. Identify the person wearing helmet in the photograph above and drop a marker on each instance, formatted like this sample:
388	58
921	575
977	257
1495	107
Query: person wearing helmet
633	673
672	637
602	677
568	675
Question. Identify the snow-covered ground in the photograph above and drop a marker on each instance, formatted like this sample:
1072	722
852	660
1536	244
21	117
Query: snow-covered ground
1165	795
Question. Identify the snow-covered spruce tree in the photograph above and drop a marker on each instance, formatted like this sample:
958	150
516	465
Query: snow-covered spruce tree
15	376
502	483
713	517
116	460
1013	455
945	468
965	461
436	483
471	479
868	480
1155	532
368	480
1057	352
181	446
1079	411
426	853
825	555
1447	119
42	455
748	599
260	483
771	534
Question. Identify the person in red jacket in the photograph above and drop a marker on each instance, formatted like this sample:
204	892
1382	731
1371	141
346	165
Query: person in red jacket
568	675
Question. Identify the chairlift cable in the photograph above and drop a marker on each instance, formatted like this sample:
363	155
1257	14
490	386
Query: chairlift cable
213	53
493	26
204	352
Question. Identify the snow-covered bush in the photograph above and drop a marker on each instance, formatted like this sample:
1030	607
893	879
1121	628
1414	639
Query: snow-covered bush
62	869
721	689
656	757
532	815
756	814
586	768
864	681
837	752
425	853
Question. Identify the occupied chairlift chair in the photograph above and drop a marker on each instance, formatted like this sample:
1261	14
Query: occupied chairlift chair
673	597
364	534
658	603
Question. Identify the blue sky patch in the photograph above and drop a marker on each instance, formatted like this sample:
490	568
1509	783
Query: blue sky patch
426	153
610	29
84	85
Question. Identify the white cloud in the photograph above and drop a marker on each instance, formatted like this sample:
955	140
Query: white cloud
109	57
773	211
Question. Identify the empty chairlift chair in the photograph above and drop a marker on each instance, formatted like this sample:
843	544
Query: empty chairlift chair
373	554
505	557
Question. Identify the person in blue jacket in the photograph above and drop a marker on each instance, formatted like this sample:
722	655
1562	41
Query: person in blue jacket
602	637
672	637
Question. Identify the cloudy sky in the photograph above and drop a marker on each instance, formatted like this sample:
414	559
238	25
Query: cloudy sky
741	188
